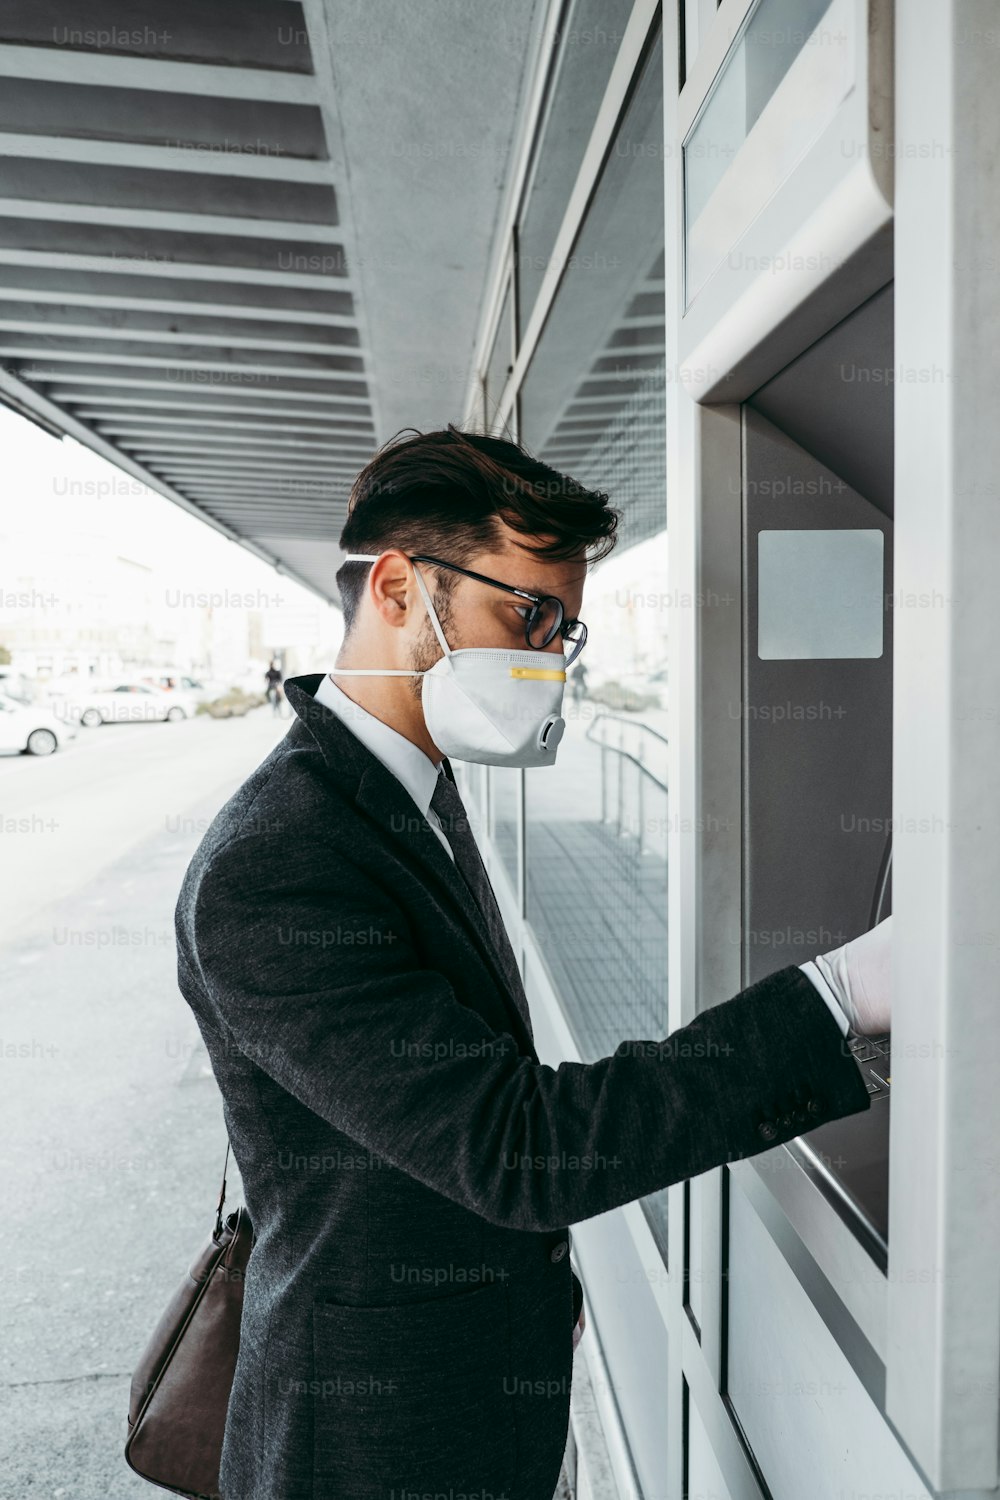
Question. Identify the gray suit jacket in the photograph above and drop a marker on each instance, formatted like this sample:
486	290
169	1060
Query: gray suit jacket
410	1166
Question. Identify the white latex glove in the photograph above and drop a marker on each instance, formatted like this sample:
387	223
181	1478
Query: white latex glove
859	973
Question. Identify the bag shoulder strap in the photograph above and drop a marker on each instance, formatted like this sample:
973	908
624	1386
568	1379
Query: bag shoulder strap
222	1194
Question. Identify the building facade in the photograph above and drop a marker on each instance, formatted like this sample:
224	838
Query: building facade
694	306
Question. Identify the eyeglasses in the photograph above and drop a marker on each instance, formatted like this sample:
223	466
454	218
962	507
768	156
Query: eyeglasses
542	621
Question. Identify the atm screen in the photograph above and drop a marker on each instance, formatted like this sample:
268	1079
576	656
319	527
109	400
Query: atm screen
819	593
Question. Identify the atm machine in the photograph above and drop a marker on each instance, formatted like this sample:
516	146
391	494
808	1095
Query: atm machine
817	702
833	371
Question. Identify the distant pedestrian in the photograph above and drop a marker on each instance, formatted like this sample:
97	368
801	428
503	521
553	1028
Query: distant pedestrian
274	694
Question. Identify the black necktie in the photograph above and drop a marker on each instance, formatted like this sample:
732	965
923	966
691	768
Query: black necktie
450	808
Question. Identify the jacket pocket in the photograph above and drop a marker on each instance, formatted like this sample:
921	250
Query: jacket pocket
414	1397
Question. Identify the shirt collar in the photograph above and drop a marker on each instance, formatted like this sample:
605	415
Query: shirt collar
407	762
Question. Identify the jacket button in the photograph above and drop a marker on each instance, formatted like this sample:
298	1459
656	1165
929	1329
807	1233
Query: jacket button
558	1251
784	1121
814	1107
767	1129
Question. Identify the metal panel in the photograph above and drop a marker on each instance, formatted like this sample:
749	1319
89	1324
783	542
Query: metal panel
554	1043
221	202
634	1343
817	772
704	1476
783	283
813	1428
944	1208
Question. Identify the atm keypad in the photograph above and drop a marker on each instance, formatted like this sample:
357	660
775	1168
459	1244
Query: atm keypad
873	1054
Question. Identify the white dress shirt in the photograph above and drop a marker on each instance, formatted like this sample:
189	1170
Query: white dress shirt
419	774
839	1014
407	762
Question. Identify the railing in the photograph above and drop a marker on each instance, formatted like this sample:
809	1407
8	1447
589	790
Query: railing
645	772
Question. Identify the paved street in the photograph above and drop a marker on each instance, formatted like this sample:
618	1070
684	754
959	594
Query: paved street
67	816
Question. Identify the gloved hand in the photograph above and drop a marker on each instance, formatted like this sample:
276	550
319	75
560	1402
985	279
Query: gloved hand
859	973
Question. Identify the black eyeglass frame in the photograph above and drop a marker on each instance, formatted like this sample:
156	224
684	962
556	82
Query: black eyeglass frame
562	626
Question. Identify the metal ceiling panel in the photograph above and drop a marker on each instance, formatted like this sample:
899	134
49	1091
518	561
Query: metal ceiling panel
242	246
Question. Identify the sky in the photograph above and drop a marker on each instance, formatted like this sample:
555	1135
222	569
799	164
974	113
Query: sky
56	489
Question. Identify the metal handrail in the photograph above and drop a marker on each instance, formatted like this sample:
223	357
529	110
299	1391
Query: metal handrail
632	723
624	754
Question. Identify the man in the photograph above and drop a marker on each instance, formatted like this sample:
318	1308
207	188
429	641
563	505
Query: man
411	1168
273	679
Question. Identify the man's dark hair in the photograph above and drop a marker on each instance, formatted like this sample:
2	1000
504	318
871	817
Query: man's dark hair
441	493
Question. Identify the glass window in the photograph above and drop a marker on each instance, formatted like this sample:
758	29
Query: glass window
504	817
586	49
593	405
773	36
696	18
501	357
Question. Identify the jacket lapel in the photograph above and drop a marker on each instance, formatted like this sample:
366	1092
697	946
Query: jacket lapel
382	797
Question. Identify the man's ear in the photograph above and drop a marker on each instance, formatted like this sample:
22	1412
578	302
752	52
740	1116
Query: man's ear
389	587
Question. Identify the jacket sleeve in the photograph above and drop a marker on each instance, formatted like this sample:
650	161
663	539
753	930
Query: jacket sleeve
311	968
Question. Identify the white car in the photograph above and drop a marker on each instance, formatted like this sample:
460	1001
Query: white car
126	702
201	690
25	726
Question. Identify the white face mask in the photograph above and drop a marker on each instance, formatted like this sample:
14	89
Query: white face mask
496	707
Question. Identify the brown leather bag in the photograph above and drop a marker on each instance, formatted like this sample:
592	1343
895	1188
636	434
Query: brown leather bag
181	1385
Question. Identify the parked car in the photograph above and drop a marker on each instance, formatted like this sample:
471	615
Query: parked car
14	684
233	704
125	702
200	689
31	727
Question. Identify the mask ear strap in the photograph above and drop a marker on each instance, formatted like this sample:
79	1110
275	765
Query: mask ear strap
432	612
